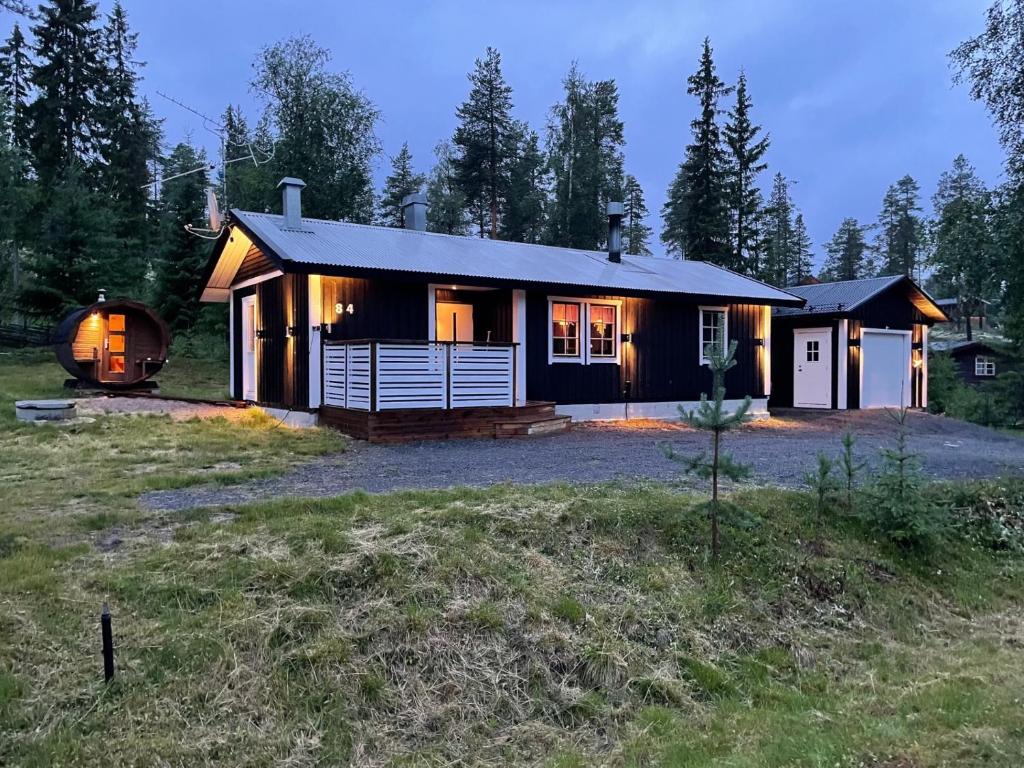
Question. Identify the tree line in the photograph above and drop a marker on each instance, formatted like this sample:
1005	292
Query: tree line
90	197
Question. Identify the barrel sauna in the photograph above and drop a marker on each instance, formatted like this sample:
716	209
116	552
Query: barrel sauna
115	344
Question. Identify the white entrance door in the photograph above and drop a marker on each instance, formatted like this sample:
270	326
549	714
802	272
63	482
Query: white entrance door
454	321
812	368
249	348
884	368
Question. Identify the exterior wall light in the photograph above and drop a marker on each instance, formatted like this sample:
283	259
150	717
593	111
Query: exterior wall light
758	342
291	331
854	342
626	338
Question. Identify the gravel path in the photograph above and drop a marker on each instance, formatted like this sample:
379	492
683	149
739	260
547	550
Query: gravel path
781	451
179	410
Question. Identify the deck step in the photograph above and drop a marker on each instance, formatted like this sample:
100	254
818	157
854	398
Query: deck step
526	428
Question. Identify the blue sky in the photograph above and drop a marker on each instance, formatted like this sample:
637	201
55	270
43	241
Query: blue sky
854	95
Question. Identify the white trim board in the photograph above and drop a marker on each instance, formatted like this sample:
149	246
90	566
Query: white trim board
258	279
315	302
661	411
843	365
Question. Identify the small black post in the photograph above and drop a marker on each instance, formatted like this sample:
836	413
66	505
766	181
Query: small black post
108	644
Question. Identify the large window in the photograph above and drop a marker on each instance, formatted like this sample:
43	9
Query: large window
584	331
713	331
984	366
565	330
603	330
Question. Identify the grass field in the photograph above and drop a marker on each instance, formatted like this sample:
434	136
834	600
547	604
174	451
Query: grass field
555	626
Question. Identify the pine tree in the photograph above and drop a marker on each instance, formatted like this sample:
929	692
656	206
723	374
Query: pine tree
485	141
67	75
802	265
402	181
128	142
585	139
636	234
446	205
324	129
901	231
780	251
524	210
696	214
746	151
181	256
963	258
847	259
15	73
712	416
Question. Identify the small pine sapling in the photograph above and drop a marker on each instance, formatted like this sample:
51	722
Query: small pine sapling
850	468
900	508
711	415
824	485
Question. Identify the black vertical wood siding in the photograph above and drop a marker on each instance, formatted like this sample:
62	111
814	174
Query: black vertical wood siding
661	364
282	377
382	309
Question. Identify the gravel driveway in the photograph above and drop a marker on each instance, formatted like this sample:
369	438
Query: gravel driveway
781	451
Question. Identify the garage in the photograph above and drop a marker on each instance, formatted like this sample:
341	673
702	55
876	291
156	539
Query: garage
854	344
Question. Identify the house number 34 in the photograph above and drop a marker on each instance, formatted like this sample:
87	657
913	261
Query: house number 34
340	309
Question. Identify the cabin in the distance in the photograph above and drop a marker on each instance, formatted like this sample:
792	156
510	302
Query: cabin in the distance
397	332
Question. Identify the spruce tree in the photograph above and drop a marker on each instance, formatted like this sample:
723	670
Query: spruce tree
711	415
16	195
15	73
181	256
802	265
446	205
525	207
779	236
746	150
244	180
401	182
696	214
324	129
66	123
585	140
485	141
847	253
128	143
963	258
901	230
636	234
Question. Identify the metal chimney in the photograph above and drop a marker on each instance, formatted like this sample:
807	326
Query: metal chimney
291	201
615	232
414	212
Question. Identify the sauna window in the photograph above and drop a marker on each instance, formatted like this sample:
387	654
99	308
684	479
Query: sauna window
116	343
117	363
115	324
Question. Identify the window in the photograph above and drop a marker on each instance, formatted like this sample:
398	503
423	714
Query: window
602	330
565	329
584	331
713	331
984	366
813	351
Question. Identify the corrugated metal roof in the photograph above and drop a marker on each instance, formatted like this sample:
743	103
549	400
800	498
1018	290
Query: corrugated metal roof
340	244
826	298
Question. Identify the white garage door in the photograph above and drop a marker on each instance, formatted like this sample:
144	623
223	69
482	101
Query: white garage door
885	369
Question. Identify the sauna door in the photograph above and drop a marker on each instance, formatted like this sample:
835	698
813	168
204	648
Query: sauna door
115	349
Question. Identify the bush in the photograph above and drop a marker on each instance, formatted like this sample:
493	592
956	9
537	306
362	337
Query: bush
990	513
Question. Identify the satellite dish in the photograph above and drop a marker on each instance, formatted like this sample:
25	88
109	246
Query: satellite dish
212	210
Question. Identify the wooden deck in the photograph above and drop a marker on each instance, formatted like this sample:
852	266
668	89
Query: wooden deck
405	424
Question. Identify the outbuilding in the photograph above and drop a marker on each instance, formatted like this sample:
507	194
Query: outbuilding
854	344
976	362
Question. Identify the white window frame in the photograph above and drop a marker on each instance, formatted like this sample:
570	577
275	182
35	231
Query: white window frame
585	358
984	365
700	331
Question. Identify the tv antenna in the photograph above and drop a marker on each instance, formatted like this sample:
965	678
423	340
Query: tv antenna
251	152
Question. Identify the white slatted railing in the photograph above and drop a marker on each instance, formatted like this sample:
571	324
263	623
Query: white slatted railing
384	375
481	375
